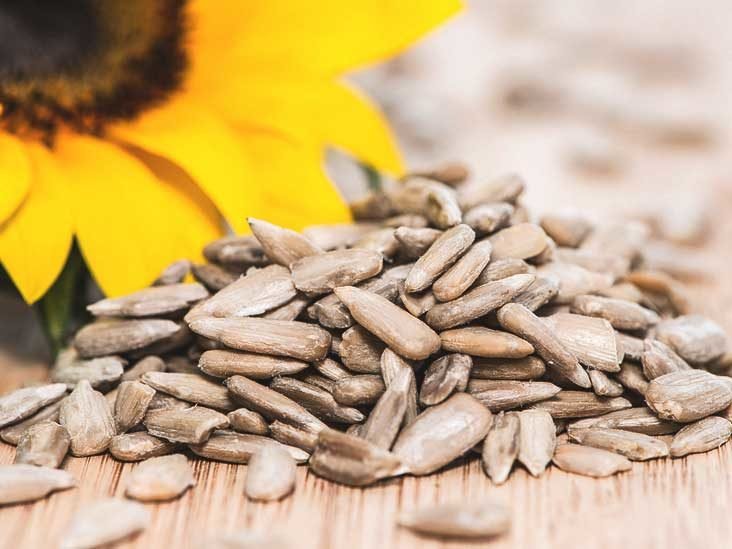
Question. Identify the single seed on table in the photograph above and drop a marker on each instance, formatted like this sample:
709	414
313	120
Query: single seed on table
351	460
696	339
153	301
417	303
574	280
359	390
432	199
191	426
191	388
588	461
23	403
445	251
634	446
603	385
320	274
574	404
501	446
101	372
222	363
214	277
446	375
386	417
86	416
505	188
316	400
519	241
499	395
503	268
147	364
44	444
104	522
688	395
541	292
272	404
458	278
12	433
414	242
270	337
160	478
139	446
290	310
623	315
631	347
232	447
108	337
637	420
130	406
247	421
20	483
459	520
631	377
566	229
517	369
518	320
659	359
292	436
392	366
403	333
270	474
442	433
701	436
478	302
282	246
537	440
331	369
484	342
485	219
360	351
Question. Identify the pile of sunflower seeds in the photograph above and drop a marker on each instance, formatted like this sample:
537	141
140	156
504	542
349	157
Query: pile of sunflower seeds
442	321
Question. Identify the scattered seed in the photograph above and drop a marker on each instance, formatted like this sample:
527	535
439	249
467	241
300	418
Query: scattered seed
12	433
446	375
591	340
359	390
392	366
360	351
220	363
130	406
623	315
292	436
191	388
247	421
566	230
154	301
458	278
631	377
658	359
232	447
637	420
160	478
320	274
445	251
109	337
588	461
484	342
101	372
432	199
414	242
694	338
105	522
459	520
382	426
603	385
88	420
316	400
23	403
499	395
270	474
517	369
519	241
503	268
541	292
505	188
214	277
488	218
21	483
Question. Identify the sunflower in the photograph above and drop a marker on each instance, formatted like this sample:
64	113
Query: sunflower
143	128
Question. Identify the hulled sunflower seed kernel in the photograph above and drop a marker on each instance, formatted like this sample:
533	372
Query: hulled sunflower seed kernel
44	444
688	395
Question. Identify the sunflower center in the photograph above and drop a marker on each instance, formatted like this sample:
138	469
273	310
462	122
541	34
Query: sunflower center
81	64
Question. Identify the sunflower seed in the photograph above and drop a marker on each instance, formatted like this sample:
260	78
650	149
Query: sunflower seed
316	400
392	366
478	302
130	406
634	446
160	479
623	315
319	274
44	444
351	460
631	377
688	395
498	395
485	219
20	483
596	261
359	390
603	385
502	268
270	474
104	522
219	363
573	404
381	241
566	230
87	418
417	303
414	242
442	433
631	347
108	337
459	520
446	375
637	420
153	301
181	365
243	540
458	278
484	342
658	359
282	246
247	421
541	292
588	461
519	241
292	436
232	447
450	173
173	273
445	251
191	388
537	439
591	340
271	337
100	372
501	446
139	446
272	404
214	277
518	320
701	436
23	403
331	237
575	280
518	369
161	401
290	310
505	188
624	239
191	426
387	416
694	338
331	369
12	433
147	364
373	206
432	199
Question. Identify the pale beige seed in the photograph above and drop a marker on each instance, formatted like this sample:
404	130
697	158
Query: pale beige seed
44	444
130	406
236	251
432	199
371	207
247	421
290	310
688	395
351	460
12	433
484	342
701	436
108	337
221	363
458	278
501	446
499	395
101	372
386	417
603	385
661	287
588	461
637	420
174	273
625	291
338	235
659	359
573	404
537	440
272	404
86	416
243	540
23	403
459	520
566	229
519	241
381	241
621	238
161	401
292	436
696	339
623	315
417	303
450	173
331	369
160	479
631	377
504	188
478	302
574	280
597	261
411	221
518	320
485	219
414	242
320	274
282	246
403	333
153	301
316	400
503	268
359	390
181	365
21	483
634	446
147	364
192	388
541	292
232	447
104	522
214	277
632	347
270	337
442	433
518	369
270	474
445	251
446	375
591	340
392	366
191	426
139	446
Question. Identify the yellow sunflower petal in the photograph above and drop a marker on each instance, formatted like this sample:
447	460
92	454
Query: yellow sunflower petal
205	147
129	223
15	175
36	240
